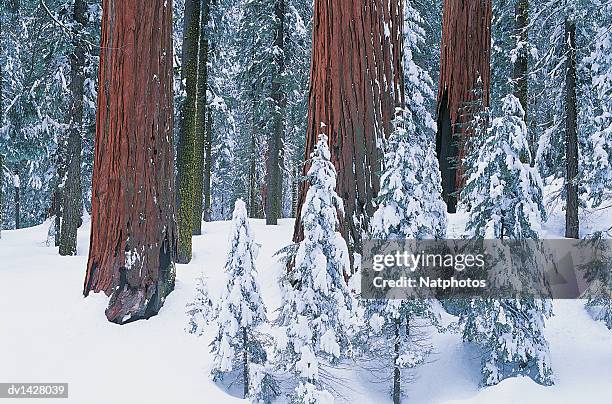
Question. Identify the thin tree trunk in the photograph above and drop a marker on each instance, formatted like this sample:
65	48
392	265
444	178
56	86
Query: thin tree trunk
133	227
208	168
245	363
252	172
356	82
200	130
73	205
571	134
397	391
17	184
274	161
465	55
519	70
186	146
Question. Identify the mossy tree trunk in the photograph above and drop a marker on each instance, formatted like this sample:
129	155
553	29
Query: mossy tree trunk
186	147
274	157
200	131
133	221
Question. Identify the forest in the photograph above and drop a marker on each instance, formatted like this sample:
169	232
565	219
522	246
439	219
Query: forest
219	168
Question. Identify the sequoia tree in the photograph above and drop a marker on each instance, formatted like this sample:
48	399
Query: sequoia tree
355	85
73	204
133	227
465	55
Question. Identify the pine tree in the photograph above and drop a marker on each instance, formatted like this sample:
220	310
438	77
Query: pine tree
240	309
502	193
504	197
316	311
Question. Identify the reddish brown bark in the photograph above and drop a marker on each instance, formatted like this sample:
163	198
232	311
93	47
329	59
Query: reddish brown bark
355	86
465	55
133	229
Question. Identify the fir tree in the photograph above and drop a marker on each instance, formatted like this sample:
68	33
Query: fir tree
505	198
316	311
240	309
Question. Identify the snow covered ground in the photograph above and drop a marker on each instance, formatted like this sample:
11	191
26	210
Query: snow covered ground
50	333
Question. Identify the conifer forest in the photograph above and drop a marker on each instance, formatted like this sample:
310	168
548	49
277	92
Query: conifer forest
218	201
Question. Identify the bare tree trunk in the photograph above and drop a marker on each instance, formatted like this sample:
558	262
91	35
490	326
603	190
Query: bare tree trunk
356	82
397	390
571	134
208	168
73	204
465	55
200	129
245	363
133	225
186	146
274	161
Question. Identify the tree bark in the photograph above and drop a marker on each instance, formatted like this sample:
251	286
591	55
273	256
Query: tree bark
245	363
208	168
200	130
133	224
356	82
397	390
17	201
274	161
571	133
465	55
186	146
73	204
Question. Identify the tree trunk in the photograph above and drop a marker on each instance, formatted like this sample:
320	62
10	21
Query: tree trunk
356	82
274	161
397	391
245	363
73	204
208	168
200	130
252	172
133	227
571	133
465	56
17	184
519	70
186	146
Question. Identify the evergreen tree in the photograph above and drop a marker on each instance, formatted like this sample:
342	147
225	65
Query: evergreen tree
504	195
240	309
598	275
316	309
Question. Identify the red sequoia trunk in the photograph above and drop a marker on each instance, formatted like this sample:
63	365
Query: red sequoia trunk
465	56
133	229
355	86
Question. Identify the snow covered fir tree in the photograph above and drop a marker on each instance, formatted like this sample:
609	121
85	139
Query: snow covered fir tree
504	196
240	311
317	309
211	175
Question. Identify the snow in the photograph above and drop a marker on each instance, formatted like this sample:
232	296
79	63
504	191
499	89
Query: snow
49	332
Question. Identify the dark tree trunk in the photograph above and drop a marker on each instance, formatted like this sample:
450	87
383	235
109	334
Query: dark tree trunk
274	161
352	59
73	204
133	225
186	147
17	200
397	390
519	70
571	134
245	363
208	167
465	55
200	130
253	172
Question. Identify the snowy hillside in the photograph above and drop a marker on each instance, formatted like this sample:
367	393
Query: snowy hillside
49	332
